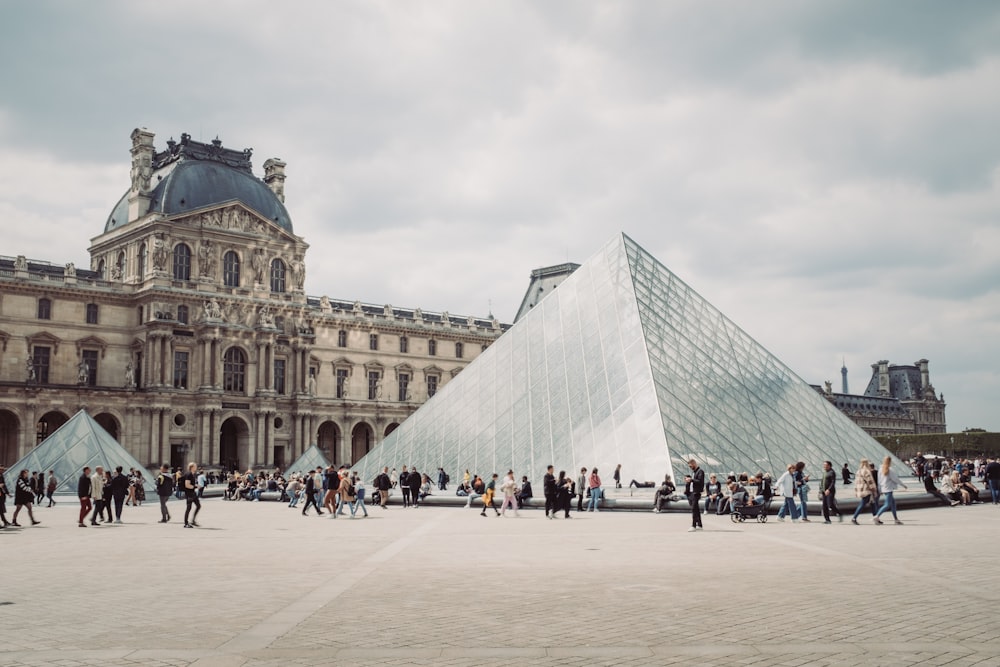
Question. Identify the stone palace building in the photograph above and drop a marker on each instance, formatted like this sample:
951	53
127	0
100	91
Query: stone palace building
191	338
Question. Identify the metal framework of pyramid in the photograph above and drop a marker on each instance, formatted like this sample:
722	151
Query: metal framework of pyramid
79	442
310	460
624	364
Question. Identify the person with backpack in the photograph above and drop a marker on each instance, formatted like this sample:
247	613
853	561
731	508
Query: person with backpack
488	496
164	487
383	484
414	481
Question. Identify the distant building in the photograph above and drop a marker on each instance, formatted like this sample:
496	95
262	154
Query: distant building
190	336
899	400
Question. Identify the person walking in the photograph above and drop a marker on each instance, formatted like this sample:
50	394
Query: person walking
345	493
23	498
618	476
4	492
565	493
311	495
97	494
888	483
191	496
594	482
404	486
83	493
414	481
491	488
509	488
164	487
802	488
442	480
108	496
119	491
828	492
50	488
359	494
695	486
382	485
550	491
786	484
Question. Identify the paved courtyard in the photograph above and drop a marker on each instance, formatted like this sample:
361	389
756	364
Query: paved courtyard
259	584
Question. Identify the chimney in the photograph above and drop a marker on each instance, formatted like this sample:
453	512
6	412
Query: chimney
883	377
274	177
925	376
142	173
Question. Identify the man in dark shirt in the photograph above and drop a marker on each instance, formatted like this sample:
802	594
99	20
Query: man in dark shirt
119	490
828	492
190	484
550	491
695	487
164	487
993	479
83	493
404	486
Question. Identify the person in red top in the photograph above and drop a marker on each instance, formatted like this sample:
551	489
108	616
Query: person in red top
594	483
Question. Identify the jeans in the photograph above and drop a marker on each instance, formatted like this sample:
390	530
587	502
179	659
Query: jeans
803	496
889	503
84	508
695	501
164	513
789	508
830	505
193	500
861	505
595	497
295	499
359	504
995	490
119	502
98	510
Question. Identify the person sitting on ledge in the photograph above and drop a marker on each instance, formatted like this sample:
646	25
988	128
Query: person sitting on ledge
463	489
663	494
524	493
641	485
931	489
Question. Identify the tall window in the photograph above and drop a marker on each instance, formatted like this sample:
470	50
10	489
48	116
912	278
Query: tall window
373	378
89	357
404	344
231	269
432	347
182	262
372	341
459	350
181	360
234	367
341	338
143	259
91	313
279	376
101	270
341	382
277	276
432	385
45	309
182	314
404	383
41	357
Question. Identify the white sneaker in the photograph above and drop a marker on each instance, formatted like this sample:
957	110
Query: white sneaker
692	529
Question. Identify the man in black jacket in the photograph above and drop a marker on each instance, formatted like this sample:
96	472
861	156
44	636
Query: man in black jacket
311	492
383	484
828	492
119	490
164	487
695	487
550	491
414	480
993	479
83	493
404	486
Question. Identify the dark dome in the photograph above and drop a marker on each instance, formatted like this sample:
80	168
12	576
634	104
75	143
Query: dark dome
196	184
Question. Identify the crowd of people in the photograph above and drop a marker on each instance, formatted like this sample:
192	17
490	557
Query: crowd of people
104	493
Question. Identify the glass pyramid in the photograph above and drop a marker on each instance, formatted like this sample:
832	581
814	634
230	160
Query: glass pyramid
310	460
624	364
79	442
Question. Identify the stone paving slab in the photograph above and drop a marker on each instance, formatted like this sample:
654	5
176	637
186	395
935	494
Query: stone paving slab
259	584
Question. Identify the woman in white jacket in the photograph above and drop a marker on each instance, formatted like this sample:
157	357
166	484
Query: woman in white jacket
888	482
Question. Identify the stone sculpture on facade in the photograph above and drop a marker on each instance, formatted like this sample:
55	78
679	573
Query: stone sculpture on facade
213	311
259	265
206	259
298	271
21	263
129	375
82	372
70	271
160	253
29	370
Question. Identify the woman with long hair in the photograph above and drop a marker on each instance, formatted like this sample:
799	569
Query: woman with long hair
888	482
595	491
864	489
23	497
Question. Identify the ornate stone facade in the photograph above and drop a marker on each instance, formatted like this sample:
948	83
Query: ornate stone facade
191	338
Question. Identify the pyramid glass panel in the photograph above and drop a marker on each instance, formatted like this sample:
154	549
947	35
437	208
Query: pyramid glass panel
624	364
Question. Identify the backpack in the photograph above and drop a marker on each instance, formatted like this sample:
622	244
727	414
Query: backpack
164	484
351	492
447	478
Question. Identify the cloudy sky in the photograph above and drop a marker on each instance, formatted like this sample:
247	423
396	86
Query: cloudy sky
827	174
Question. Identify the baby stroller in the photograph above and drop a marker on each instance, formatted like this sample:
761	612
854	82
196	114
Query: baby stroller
743	512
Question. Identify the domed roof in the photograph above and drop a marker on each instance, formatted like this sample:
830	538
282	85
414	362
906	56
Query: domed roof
190	178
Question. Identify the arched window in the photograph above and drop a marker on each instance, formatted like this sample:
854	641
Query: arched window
101	270
182	262
143	258
231	269
277	276
234	368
